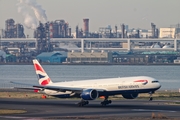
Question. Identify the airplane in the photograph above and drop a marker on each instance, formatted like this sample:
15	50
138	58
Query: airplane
87	90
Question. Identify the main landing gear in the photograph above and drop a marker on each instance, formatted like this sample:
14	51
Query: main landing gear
151	98
106	101
83	102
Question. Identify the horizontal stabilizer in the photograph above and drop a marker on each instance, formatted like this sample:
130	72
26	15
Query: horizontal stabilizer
21	83
27	88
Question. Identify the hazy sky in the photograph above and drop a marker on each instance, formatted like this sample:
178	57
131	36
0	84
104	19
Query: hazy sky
135	13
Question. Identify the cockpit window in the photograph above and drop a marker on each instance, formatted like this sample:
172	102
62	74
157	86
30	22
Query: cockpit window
155	81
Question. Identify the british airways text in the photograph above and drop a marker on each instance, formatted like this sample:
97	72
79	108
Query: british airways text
126	86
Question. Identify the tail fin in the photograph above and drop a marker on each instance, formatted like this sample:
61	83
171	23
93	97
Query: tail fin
42	75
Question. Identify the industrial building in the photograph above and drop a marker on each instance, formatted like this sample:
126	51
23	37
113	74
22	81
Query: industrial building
91	47
52	57
177	61
10	58
59	29
135	46
145	58
42	35
89	57
12	30
2	56
169	32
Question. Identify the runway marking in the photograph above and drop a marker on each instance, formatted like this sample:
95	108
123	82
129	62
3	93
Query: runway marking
152	110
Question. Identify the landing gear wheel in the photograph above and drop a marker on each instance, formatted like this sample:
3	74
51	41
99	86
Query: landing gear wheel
82	103
86	102
151	98
106	101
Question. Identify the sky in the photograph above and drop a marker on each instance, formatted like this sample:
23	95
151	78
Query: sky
101	13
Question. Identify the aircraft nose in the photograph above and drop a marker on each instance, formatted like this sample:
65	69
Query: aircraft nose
158	85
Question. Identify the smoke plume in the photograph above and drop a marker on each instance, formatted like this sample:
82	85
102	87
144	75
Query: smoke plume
29	20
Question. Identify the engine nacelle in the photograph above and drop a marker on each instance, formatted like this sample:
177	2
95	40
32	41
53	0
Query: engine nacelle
130	96
89	94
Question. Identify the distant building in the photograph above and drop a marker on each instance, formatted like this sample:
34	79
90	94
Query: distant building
10	58
177	61
52	57
13	30
167	33
143	33
89	57
2	56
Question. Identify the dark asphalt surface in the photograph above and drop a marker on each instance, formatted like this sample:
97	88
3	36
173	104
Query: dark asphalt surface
58	108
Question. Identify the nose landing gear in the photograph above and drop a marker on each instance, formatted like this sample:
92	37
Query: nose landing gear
151	98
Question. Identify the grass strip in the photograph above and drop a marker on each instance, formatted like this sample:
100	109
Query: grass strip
7	111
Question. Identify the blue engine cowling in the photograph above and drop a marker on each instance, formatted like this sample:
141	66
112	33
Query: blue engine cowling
130	96
89	94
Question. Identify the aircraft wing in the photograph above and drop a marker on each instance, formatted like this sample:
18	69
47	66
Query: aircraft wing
56	88
63	89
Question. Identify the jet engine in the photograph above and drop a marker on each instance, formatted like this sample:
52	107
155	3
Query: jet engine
89	94
130	96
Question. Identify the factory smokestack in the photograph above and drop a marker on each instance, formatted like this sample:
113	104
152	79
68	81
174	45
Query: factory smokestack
86	27
122	31
29	20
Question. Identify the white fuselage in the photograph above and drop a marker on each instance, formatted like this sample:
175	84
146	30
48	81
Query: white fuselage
138	83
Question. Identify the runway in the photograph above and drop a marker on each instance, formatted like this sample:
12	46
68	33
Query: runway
58	108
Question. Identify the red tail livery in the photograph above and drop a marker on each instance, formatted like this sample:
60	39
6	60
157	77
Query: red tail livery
41	74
